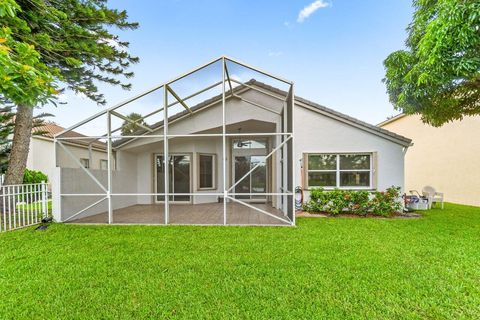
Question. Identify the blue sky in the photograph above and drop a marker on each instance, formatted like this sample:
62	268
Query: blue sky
333	50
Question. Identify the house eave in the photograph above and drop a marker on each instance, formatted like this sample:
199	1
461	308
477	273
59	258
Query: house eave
392	119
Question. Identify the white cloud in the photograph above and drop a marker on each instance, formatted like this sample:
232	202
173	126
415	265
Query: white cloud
311	8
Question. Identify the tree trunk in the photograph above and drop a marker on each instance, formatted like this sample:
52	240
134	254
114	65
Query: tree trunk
20	145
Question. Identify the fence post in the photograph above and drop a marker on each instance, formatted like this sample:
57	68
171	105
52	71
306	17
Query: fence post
44	199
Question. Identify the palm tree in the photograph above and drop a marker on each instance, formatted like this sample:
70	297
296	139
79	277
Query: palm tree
128	128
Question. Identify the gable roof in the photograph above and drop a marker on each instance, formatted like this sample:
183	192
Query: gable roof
50	129
299	101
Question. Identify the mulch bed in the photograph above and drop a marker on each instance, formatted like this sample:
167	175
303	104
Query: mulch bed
398	215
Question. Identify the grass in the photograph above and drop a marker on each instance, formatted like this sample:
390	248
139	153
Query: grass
34	206
25	214
325	268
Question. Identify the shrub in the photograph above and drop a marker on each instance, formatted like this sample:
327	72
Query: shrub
360	202
332	202
32	176
385	203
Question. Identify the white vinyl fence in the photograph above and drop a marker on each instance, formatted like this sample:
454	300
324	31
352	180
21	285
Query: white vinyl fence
22	205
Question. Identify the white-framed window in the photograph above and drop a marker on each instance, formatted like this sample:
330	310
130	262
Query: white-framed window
339	170
206	171
85	162
103	164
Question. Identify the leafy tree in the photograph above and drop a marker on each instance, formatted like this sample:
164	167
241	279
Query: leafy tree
438	75
47	46
128	128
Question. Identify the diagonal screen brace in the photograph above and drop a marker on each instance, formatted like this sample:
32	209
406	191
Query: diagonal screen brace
81	166
175	95
257	165
260	210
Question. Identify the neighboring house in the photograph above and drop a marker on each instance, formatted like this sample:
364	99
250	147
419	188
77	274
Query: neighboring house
330	150
91	154
446	158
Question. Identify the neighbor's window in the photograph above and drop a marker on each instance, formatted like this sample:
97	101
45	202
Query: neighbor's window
339	170
206	169
85	163
103	164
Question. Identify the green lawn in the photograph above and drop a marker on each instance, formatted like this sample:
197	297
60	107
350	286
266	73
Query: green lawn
324	268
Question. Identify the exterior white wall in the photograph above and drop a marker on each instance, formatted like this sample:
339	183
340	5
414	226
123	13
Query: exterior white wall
42	156
315	133
146	166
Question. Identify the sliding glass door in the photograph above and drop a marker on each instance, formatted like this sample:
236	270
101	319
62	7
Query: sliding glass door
255	182
179	168
248	154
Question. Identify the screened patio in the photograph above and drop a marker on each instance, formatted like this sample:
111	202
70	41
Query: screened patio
211	147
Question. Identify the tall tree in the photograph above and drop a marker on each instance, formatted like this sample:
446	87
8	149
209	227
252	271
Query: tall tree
129	127
438	75
70	45
6	130
7	125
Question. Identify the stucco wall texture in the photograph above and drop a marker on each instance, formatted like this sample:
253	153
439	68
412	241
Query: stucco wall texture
446	158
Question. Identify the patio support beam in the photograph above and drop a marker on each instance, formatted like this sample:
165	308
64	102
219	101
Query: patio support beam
228	77
109	166
224	145
259	134
174	94
291	144
166	157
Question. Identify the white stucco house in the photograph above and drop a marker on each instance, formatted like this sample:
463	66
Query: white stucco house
234	158
42	150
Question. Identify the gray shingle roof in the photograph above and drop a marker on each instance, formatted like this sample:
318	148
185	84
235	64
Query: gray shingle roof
324	110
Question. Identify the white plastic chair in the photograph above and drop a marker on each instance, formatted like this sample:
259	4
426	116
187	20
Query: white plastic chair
432	195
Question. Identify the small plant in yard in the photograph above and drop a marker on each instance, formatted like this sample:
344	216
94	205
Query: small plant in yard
385	203
359	202
32	176
332	202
